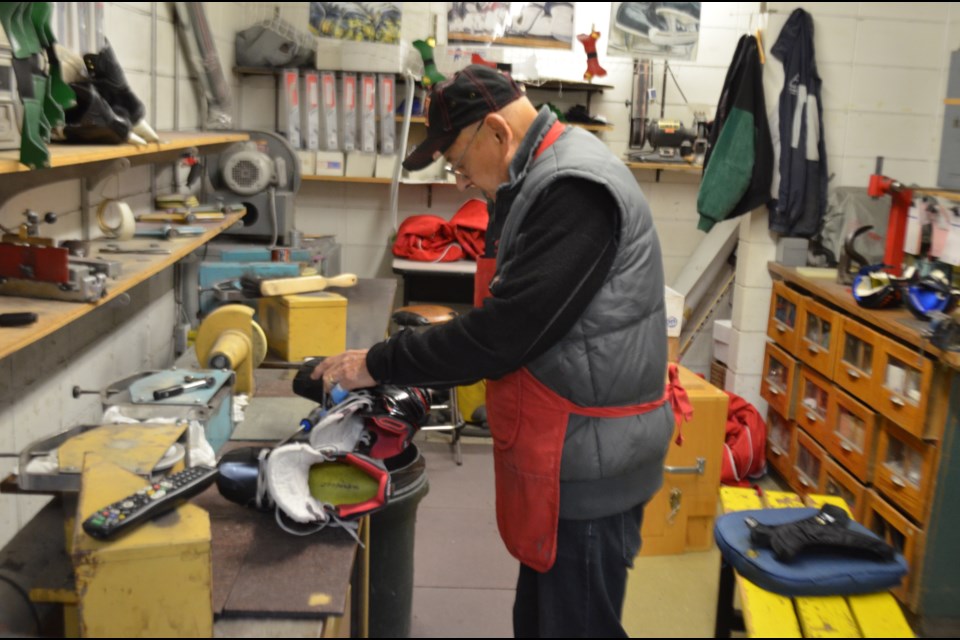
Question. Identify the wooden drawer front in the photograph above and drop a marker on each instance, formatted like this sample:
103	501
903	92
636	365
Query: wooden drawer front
903	471
779	376
839	482
780	444
858	355
813	401
784	309
818	336
851	434
808	467
904	379
888	523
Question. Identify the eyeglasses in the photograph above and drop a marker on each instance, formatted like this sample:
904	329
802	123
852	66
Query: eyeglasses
454	169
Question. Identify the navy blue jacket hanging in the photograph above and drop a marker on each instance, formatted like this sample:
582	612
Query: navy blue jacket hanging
802	198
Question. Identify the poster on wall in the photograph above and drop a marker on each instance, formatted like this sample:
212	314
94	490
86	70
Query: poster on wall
357	21
517	24
654	29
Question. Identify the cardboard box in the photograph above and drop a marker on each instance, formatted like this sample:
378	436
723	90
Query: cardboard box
329	163
303	326
674	302
386	165
308	162
722	333
360	164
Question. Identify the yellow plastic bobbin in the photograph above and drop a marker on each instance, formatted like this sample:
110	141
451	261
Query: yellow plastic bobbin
229	338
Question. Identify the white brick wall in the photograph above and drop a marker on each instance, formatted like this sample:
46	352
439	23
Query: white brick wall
113	341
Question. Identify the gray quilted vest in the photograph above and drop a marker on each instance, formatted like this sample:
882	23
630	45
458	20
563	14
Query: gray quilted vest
616	354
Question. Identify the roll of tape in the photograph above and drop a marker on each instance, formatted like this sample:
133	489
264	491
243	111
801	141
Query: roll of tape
116	219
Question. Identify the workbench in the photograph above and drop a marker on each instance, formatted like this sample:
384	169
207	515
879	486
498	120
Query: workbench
266	582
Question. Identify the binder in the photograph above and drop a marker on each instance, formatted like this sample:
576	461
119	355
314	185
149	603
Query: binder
368	113
310	110
388	126
288	107
348	111
329	124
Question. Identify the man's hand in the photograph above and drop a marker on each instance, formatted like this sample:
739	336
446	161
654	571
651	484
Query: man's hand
348	369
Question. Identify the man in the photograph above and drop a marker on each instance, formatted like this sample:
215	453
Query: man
571	334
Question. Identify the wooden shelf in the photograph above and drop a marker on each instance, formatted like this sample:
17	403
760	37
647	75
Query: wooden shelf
948	194
370	180
374	181
547	43
565	85
667	166
65	155
588	127
56	314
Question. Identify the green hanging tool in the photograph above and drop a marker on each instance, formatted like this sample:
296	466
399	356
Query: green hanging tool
431	75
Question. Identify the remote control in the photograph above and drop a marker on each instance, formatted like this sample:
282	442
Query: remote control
150	501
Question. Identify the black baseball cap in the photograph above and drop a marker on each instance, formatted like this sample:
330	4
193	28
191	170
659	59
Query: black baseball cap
457	102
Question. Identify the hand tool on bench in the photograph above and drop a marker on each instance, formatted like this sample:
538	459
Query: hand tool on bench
262	288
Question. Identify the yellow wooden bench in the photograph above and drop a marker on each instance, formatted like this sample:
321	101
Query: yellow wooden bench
768	615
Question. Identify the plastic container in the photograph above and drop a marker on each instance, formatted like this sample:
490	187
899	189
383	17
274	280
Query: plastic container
392	531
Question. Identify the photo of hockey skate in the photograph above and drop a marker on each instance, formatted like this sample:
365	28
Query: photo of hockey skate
518	24
659	29
357	21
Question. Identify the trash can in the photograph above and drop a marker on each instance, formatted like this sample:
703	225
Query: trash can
392	531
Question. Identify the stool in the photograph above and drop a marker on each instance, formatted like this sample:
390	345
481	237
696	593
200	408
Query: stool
415	317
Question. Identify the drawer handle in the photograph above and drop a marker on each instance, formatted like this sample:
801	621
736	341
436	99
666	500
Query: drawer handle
699	470
853	374
774	390
898	481
775	450
846	447
804	482
781	328
811	417
897	401
812	348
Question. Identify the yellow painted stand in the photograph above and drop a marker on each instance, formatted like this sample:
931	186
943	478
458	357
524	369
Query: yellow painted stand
153	581
769	615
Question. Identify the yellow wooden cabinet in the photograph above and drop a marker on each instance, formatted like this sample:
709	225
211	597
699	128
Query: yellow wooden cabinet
680	516
152	581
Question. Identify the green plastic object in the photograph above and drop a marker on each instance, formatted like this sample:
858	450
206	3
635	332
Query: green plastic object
431	75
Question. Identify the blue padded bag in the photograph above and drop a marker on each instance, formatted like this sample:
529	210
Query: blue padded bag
814	572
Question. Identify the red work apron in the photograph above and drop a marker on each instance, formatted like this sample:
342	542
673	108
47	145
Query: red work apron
528	422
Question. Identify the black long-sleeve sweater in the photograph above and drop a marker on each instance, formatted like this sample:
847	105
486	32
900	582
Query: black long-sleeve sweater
568	241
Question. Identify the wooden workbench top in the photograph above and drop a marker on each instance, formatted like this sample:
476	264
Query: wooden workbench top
899	323
56	314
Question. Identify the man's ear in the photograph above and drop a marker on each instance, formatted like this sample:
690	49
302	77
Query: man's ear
500	128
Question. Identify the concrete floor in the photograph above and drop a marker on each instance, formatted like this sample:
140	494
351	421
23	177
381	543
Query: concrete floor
464	579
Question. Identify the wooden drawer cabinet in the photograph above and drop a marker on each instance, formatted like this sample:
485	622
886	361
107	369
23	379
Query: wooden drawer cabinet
904	469
888	523
904	385
779	378
851	434
814	394
780	444
808	468
857	359
784	309
818	336
839	482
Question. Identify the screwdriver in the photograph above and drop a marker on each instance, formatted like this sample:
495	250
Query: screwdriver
188	385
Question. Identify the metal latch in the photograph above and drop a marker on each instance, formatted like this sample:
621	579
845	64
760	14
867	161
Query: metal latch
700	469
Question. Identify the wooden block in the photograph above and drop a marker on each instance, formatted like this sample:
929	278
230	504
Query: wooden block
879	616
826	617
766	614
